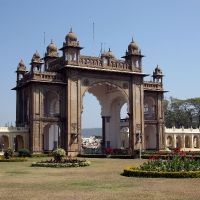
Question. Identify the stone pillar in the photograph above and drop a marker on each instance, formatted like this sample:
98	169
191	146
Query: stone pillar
191	141
183	141
103	133
136	123
174	141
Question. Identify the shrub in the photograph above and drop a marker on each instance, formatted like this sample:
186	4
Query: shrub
58	154
24	153
8	153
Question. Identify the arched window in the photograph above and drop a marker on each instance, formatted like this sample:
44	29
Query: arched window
66	56
146	108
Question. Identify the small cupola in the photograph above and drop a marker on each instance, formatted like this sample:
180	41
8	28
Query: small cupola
132	47
21	70
36	62
157	75
71	38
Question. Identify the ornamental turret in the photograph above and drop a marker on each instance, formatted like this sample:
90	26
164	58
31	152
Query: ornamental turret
134	56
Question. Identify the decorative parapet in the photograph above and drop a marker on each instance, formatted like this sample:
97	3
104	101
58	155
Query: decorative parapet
41	76
148	85
96	62
181	130
14	129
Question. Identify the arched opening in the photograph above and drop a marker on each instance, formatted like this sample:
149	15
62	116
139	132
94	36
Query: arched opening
19	142
4	142
51	104
51	138
124	138
195	142
150	138
187	142
169	141
178	141
149	108
111	99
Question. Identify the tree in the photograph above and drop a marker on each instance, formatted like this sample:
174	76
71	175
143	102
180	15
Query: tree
180	113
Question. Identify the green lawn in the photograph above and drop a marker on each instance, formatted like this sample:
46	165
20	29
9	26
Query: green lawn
101	180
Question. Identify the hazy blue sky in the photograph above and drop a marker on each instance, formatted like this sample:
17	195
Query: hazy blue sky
168	33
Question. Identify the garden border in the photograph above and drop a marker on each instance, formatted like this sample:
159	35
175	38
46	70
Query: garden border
132	171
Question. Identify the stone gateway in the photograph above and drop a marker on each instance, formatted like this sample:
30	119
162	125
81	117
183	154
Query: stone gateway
50	98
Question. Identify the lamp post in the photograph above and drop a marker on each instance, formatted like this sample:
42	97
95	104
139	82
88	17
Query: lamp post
140	141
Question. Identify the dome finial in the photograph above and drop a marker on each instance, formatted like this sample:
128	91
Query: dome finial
132	39
71	30
51	41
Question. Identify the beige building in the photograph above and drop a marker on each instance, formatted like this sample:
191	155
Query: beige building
50	97
14	137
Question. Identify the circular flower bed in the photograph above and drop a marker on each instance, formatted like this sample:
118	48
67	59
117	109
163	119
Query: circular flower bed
66	162
178	164
60	160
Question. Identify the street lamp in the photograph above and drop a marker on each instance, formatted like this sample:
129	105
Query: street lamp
140	141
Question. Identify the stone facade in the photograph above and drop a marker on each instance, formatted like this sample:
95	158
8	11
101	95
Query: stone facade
50	97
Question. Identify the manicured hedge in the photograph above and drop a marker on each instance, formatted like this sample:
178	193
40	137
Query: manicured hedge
13	159
133	171
92	155
41	155
104	156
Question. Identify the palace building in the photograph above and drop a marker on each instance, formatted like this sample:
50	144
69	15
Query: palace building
50	98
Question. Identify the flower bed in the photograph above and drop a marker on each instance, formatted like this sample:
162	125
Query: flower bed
134	171
64	163
176	165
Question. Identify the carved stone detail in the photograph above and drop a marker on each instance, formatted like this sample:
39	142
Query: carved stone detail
86	82
138	127
125	85
73	127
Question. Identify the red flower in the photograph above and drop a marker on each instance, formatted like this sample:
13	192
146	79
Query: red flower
69	156
109	150
160	153
172	153
165	157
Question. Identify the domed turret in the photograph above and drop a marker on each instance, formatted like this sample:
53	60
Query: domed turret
70	37
157	71
51	47
157	74
132	46
109	54
21	66
36	57
52	50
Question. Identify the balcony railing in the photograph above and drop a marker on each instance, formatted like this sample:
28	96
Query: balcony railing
52	115
149	117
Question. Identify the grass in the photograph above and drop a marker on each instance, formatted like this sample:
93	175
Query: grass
102	180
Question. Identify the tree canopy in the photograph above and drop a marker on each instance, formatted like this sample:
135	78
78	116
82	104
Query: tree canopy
180	113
